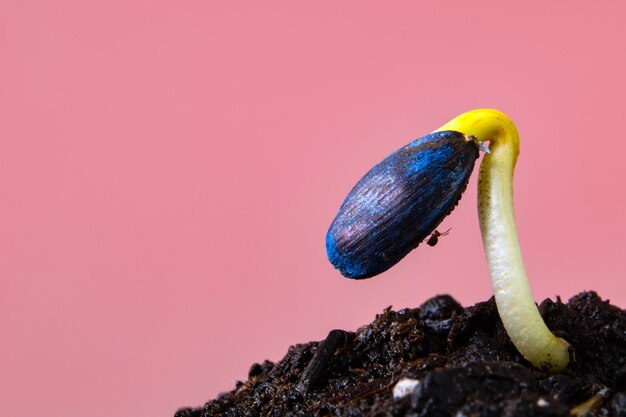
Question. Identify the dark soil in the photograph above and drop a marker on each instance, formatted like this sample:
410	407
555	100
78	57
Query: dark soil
462	358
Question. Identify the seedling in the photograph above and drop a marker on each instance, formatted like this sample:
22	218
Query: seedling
400	201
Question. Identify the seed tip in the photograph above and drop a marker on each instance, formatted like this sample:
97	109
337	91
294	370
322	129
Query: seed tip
482	146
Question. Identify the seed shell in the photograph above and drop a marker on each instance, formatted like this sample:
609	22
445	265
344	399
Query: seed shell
399	203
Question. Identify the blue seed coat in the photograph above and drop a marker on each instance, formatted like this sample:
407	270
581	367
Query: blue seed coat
399	202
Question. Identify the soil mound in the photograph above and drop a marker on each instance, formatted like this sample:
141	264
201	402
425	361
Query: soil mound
441	360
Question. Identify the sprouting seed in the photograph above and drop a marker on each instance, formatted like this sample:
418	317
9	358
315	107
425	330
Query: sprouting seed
404	198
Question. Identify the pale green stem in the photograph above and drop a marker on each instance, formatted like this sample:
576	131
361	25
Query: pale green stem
515	302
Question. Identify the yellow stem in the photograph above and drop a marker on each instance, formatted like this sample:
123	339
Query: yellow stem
514	299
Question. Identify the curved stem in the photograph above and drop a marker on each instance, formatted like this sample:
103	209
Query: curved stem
515	302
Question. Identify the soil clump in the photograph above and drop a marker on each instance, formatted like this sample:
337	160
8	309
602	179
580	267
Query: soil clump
441	360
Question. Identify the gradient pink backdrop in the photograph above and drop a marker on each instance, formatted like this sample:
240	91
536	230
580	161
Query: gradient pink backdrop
168	171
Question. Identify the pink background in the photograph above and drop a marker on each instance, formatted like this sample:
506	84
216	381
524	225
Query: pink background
168	171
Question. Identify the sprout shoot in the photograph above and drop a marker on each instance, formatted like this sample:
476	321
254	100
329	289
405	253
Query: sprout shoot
515	302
